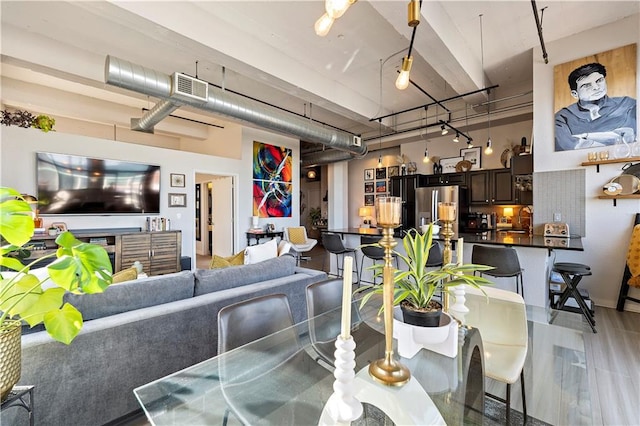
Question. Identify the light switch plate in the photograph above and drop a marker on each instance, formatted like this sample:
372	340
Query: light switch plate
557	217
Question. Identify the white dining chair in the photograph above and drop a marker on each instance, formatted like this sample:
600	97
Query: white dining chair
300	242
504	338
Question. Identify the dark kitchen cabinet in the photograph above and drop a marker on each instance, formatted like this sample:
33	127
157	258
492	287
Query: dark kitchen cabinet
443	179
488	187
405	188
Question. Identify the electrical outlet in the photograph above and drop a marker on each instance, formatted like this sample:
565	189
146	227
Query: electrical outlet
557	217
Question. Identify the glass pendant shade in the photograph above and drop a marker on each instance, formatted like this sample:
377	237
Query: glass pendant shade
323	25
426	156
402	82
380	161
489	149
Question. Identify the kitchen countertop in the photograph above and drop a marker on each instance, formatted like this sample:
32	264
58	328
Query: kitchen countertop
503	238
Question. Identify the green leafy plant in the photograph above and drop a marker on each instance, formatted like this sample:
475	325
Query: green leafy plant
44	123
415	287
315	214
79	267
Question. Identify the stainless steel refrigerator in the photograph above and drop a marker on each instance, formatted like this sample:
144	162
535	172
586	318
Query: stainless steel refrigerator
427	200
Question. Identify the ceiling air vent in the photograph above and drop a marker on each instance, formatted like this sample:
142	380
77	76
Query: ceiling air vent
192	88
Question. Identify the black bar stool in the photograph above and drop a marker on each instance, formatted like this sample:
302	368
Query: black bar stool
333	244
571	274
372	252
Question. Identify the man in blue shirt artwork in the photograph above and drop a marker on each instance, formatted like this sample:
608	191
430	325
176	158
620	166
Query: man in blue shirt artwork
596	119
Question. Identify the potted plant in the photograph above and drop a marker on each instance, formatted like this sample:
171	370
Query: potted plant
315	214
415	287
79	267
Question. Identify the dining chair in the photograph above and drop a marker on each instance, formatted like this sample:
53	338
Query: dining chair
323	300
300	241
268	379
505	338
334	245
504	261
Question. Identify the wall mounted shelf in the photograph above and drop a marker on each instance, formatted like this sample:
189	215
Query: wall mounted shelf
617	197
611	161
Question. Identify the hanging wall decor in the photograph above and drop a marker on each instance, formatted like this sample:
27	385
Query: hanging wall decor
272	180
594	100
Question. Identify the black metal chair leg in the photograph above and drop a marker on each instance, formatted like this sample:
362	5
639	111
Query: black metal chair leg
508	403
524	400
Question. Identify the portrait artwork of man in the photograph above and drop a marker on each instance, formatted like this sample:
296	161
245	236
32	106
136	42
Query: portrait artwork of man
603	87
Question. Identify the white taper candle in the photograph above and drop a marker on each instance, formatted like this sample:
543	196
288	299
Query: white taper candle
459	250
346	296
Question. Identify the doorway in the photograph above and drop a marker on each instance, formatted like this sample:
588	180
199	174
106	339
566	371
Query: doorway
215	216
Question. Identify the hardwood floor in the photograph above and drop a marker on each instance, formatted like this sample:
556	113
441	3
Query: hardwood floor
611	358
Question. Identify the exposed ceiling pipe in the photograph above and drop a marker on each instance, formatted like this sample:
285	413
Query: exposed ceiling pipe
539	27
152	117
318	158
143	80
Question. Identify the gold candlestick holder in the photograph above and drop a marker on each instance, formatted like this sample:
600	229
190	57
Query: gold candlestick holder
447	256
387	370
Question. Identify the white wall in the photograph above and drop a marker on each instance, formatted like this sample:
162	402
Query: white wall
608	228
17	170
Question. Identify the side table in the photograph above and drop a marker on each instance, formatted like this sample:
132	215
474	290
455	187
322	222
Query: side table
20	396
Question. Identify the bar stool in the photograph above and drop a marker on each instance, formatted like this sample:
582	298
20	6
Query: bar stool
372	252
571	274
503	259
333	244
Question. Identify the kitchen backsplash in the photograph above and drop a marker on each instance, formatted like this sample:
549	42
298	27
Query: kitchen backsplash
561	192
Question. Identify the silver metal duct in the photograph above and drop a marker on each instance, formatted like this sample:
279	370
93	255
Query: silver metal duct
127	75
152	117
318	158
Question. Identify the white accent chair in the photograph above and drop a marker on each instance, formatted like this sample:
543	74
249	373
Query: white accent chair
300	242
505	338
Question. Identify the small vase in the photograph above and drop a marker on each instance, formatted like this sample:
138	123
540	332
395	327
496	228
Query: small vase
10	357
621	149
422	319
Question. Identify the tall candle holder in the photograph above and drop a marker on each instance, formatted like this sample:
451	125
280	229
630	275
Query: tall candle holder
387	370
447	214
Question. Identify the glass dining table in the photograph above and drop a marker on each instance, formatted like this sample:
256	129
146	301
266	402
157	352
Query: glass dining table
286	378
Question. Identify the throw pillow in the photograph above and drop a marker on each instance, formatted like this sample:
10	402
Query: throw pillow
225	262
125	275
260	252
284	247
296	235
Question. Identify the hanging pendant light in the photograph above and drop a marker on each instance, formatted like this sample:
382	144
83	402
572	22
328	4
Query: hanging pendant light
425	160
402	82
380	134
489	149
323	25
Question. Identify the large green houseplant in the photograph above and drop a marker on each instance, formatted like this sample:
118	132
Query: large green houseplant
79	267
416	286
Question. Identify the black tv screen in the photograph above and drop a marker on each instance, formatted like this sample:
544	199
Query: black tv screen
70	184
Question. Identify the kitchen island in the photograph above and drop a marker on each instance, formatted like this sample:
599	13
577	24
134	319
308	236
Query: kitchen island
536	254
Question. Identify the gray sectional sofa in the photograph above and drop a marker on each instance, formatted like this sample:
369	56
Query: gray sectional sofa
138	331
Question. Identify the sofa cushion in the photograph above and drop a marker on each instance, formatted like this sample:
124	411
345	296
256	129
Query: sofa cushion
209	280
134	294
225	262
260	252
125	275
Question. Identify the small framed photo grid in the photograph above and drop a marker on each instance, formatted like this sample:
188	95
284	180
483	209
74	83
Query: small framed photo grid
369	200
393	171
177	180
381	173
177	200
369	187
368	174
381	186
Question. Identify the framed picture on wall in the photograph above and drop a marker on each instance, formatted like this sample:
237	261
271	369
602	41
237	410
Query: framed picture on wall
449	164
368	174
472	155
177	200
368	200
381	186
177	180
393	171
381	173
369	188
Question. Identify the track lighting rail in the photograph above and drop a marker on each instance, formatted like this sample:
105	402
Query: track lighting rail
485	89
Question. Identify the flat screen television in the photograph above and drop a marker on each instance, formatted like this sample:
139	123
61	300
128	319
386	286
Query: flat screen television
76	185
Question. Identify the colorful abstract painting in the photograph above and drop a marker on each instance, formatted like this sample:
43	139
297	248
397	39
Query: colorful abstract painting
272	180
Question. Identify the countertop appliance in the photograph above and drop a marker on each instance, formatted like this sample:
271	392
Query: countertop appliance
474	221
427	200
556	229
